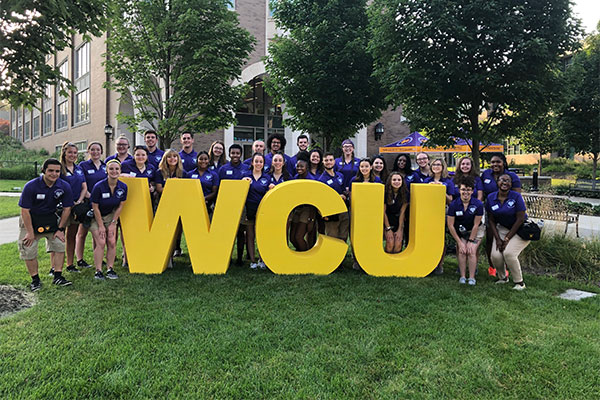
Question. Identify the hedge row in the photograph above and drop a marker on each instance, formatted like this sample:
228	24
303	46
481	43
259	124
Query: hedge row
22	172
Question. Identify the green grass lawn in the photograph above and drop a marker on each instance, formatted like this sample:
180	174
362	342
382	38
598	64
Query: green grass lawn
9	207
252	334
9	185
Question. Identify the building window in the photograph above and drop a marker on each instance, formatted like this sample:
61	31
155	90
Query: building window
27	126
81	147
62	102
13	123
36	126
20	124
47	111
81	106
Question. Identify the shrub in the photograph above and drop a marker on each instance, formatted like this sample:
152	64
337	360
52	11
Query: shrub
24	172
564	257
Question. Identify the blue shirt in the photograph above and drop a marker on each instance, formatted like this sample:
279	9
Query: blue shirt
489	183
421	175
129	167
214	167
92	174
40	199
155	157
348	170
258	187
308	176
336	182
478	187
505	213
280	180
230	171
75	179
355	180
114	156
208	179
446	181
465	216
188	160
108	201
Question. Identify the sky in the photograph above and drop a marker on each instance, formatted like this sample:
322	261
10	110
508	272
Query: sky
589	13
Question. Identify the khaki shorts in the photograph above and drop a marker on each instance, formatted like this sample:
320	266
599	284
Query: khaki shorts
304	214
53	245
106	219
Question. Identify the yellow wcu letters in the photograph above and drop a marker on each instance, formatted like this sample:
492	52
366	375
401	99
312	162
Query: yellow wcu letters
149	240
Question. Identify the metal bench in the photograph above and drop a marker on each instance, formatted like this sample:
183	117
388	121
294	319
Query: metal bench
550	207
586	185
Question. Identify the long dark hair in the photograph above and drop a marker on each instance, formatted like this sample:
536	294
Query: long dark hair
320	167
284	171
502	157
359	175
211	157
389	191
459	175
384	172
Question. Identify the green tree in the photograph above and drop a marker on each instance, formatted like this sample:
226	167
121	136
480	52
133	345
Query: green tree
175	60
579	119
541	136
474	69
321	69
32	29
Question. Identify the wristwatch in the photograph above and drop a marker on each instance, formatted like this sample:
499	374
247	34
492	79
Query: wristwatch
61	229
473	241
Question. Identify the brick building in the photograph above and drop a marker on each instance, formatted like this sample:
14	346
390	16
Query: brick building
89	112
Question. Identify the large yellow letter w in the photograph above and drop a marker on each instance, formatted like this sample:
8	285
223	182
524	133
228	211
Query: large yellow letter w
149	241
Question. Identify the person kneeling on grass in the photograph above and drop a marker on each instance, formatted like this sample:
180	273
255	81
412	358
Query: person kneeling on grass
464	223
42	201
107	198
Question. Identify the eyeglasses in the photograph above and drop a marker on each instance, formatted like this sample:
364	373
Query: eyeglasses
422	159
122	144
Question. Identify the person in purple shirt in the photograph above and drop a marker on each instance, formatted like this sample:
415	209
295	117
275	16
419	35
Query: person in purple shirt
335	225
402	164
235	170
188	154
276	143
365	173
94	170
107	199
140	167
154	153
424	169
216	155
259	185
122	148
506	213
347	164
499	166
465	168
72	174
439	175
208	179
278	170
41	201
302	143
464	224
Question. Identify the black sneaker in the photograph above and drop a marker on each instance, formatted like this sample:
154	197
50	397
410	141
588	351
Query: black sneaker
61	281
111	274
82	264
72	268
35	286
99	275
51	273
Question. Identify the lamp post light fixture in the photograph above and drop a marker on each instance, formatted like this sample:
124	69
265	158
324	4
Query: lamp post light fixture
379	131
108	131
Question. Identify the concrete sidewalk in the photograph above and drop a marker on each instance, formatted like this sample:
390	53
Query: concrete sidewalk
10	194
9	230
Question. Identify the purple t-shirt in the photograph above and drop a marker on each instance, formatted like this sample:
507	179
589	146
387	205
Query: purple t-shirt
41	199
348	170
129	167
108	201
489	183
188	160
155	157
478	187
114	156
465	216
505	213
446	181
92	174
230	171
336	182
208	179
75	178
258	187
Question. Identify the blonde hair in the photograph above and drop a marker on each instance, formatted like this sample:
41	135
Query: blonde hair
163	166
444	173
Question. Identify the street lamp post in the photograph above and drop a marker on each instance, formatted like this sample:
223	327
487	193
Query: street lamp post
108	131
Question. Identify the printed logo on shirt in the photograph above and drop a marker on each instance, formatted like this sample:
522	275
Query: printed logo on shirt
79	172
158	158
194	160
119	193
104	168
58	193
209	177
69	174
264	181
472	209
148	172
510	203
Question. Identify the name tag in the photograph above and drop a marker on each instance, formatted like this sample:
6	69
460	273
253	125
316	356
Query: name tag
194	176
132	174
69	174
329	182
105	195
459	213
487	181
230	172
91	171
495	207
40	196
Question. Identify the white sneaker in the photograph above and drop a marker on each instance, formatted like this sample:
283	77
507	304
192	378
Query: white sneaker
462	280
501	281
261	264
519	286
471	281
254	266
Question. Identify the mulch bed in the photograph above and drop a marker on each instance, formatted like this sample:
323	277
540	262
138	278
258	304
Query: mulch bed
13	300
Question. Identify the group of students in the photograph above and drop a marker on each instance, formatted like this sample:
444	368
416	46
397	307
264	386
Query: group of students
92	191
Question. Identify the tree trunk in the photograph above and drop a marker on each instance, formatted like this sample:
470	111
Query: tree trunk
475	134
594	168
